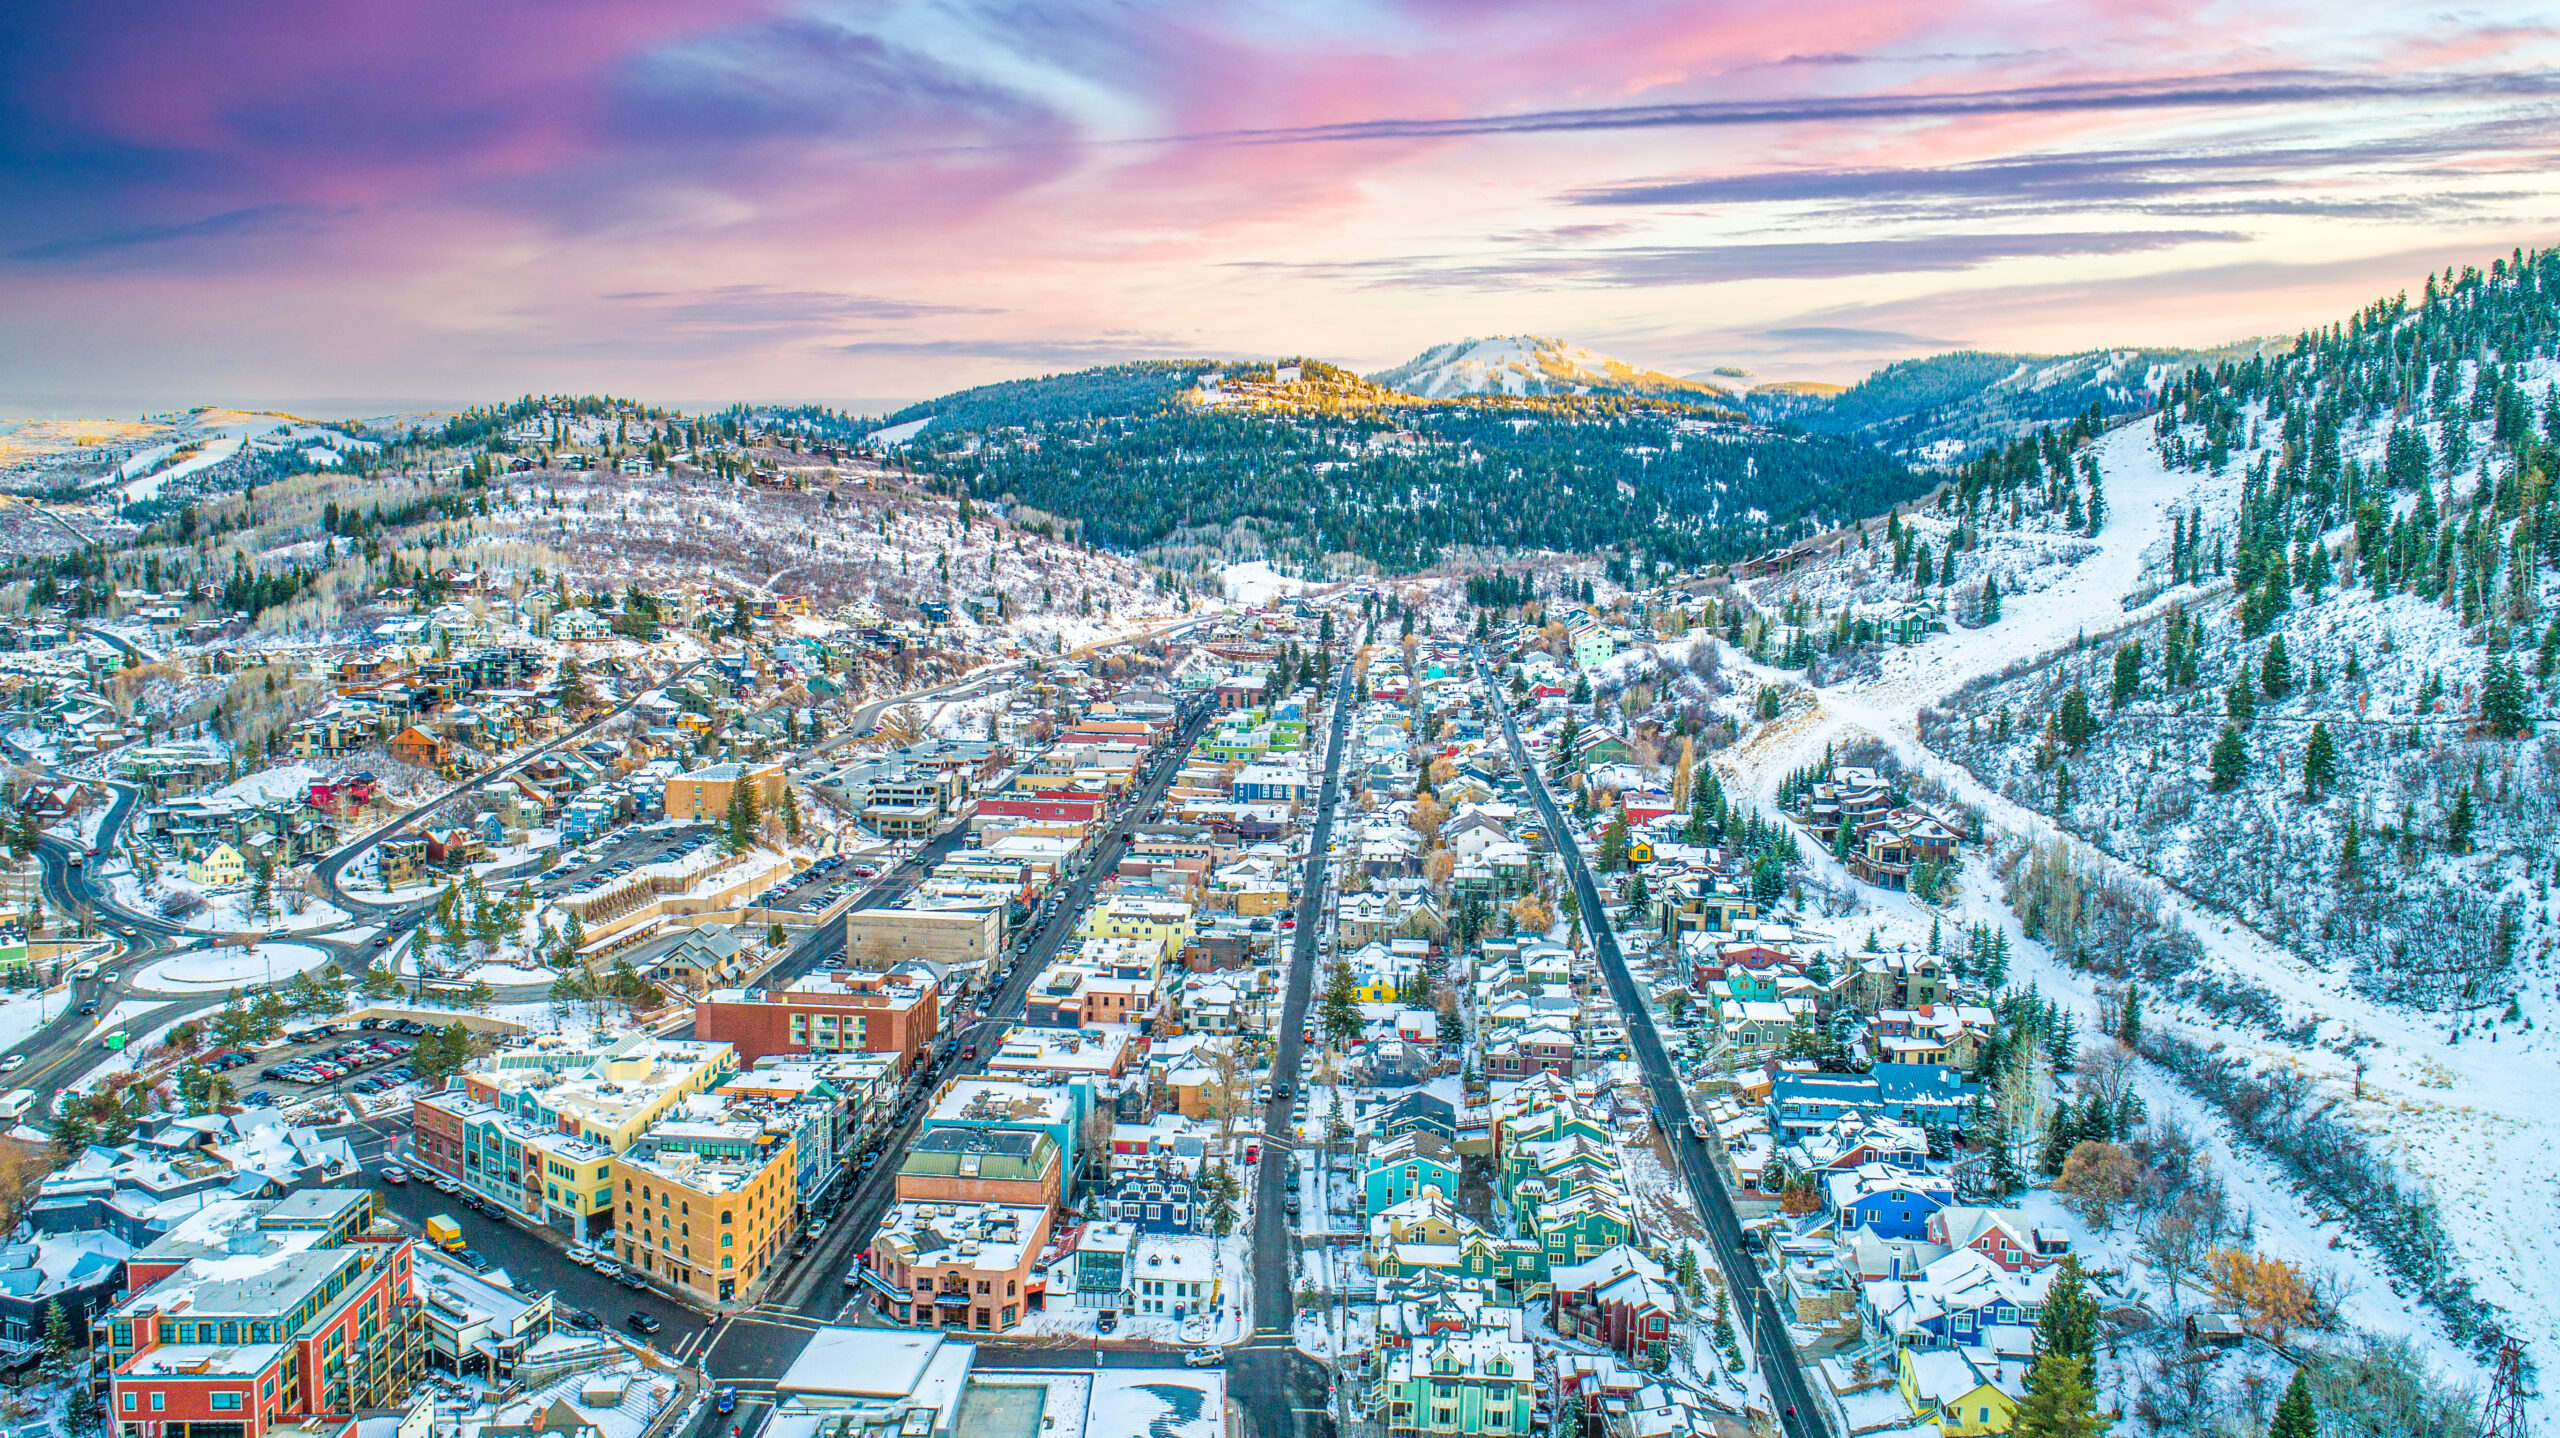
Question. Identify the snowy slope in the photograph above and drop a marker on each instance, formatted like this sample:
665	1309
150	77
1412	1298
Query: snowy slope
1531	365
2463	1120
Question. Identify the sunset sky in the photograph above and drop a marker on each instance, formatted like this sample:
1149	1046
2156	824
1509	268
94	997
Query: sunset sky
368	204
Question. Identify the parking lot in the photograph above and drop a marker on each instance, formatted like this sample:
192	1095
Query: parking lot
820	884
625	853
370	1057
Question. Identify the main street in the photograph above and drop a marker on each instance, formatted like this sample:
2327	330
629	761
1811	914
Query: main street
1779	1365
810	1290
1283	1394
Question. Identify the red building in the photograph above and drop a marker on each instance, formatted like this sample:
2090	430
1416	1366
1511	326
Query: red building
257	1314
437	1139
1041	811
840	1012
1619	1299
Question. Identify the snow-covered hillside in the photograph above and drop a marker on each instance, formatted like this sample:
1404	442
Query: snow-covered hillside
2426	1085
1532	365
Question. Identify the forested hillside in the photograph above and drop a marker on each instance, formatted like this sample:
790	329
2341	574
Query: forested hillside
1952	406
1332	466
2330	730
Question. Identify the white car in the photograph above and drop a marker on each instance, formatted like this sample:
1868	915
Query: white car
583	1255
607	1268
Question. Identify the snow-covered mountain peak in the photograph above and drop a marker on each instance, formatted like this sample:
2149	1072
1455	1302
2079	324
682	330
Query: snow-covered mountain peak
1530	365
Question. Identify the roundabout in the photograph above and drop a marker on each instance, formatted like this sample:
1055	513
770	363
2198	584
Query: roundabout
215	970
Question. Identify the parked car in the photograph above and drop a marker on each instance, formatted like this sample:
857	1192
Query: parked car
583	1321
1204	1357
394	1173
582	1254
643	1324
607	1268
472	1260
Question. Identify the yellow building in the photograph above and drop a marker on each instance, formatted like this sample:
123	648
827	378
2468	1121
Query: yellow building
216	867
705	1209
1949	1387
1157	921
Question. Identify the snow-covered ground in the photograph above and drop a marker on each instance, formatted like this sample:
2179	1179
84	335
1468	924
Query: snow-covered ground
217	969
25	1013
1254	584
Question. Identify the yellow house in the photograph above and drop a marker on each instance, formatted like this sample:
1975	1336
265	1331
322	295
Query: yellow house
216	867
1948	1387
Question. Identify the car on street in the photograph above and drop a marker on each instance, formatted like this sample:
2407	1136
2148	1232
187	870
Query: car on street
607	1268
472	1259
394	1173
12	1063
583	1255
583	1321
727	1401
1204	1357
643	1324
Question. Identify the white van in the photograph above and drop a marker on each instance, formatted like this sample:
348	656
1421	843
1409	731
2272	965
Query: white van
15	1104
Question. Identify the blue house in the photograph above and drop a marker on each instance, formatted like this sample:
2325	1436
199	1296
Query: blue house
1799	1104
1401	1167
1888	1200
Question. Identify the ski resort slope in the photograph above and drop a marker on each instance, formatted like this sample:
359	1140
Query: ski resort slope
2474	1122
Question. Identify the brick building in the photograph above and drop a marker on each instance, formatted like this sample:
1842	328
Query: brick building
828	1012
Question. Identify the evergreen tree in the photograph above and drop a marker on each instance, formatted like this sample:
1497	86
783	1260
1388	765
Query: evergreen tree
2230	759
2129	1017
2502	700
2275	675
2075	724
2294	1416
2242	702
1339	1012
2319	762
2068	1327
2060	1402
2128	676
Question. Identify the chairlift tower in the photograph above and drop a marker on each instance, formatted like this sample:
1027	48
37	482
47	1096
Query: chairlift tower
2504	1415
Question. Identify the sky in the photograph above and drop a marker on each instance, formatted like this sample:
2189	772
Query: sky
374	204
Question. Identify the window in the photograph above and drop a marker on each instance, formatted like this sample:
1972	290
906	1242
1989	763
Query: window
128	1403
226	1402
724	1215
159	1402
985	1286
726	1239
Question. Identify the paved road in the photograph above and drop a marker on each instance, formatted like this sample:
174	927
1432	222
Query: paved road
810	1291
1801	1418
1283	1394
532	1263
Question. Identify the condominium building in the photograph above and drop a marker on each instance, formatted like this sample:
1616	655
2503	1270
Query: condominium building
706	1204
256	1314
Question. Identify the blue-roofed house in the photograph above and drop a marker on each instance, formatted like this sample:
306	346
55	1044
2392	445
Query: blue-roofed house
1803	1103
1925	1094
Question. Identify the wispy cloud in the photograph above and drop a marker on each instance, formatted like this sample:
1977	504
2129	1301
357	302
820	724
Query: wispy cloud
2233	91
1712	264
116	246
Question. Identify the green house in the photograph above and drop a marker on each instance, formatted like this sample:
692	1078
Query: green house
1458	1383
